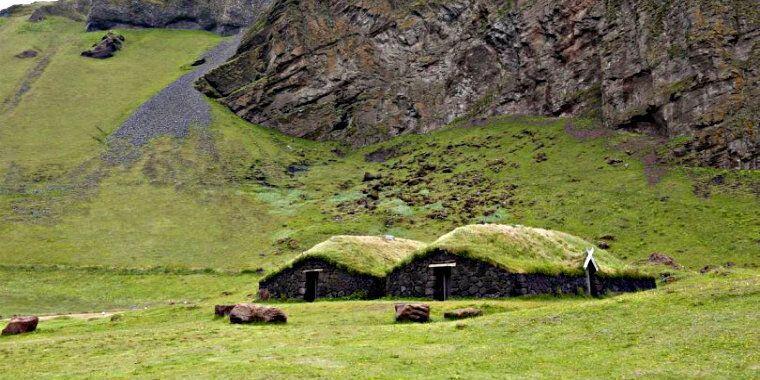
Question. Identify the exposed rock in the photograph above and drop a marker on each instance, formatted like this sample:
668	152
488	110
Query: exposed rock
223	17
27	54
16	10
108	45
603	244
371	177
264	294
364	71
382	154
223	310
198	62
76	10
416	312
250	313
469	312
663	259
21	325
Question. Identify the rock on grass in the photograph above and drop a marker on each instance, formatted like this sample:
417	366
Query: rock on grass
250	313
418	312
21	325
469	312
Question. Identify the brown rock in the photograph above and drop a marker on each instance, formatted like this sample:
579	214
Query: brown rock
365	71
418	312
27	54
250	313
469	312
21	325
106	48
264	294
223	310
661	258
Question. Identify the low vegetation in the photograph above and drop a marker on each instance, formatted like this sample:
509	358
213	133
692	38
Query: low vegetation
373	255
521	249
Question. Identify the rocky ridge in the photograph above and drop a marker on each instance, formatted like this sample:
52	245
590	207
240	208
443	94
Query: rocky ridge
364	71
225	17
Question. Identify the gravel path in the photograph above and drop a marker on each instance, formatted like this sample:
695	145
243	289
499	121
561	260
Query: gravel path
178	106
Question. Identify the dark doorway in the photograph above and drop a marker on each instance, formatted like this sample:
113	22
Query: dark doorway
311	286
442	289
591	282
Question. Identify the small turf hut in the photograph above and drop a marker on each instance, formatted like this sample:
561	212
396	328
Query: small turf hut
342	266
495	261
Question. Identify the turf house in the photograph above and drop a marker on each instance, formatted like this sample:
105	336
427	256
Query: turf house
342	266
496	261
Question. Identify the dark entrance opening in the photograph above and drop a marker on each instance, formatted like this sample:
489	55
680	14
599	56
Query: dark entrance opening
442	289
591	282
312	278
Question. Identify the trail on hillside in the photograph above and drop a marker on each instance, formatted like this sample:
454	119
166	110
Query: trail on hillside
178	106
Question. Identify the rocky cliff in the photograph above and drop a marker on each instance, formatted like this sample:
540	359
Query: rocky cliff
220	16
365	70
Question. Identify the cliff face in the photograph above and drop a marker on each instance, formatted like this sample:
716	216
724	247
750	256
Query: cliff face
365	70
220	16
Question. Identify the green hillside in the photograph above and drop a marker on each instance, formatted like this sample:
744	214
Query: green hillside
194	221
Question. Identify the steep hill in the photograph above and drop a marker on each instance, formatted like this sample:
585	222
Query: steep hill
365	71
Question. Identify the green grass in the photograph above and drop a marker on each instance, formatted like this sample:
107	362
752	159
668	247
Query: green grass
521	249
373	255
237	207
193	221
50	290
696	327
77	101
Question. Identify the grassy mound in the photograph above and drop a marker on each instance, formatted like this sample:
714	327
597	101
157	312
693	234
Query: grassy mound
521	249
371	255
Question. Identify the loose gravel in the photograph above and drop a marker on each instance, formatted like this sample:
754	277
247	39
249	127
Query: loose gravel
178	106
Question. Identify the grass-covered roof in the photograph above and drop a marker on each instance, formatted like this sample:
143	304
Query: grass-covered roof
373	255
521	249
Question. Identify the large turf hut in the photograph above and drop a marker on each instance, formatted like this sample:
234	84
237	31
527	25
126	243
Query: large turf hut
343	266
494	261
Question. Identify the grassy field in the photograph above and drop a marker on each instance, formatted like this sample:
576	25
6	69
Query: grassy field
197	221
76	102
236	206
696	328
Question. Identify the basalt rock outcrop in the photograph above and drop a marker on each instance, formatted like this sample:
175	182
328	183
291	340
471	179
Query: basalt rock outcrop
76	10
106	48
225	16
364	71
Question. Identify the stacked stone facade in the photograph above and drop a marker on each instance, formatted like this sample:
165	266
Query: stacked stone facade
478	279
333	282
469	279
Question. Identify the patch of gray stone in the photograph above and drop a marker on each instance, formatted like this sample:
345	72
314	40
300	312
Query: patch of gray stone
171	112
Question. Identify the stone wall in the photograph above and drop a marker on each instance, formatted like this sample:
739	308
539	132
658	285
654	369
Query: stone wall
473	278
333	282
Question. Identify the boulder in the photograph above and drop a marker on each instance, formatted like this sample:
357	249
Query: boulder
264	294
663	259
418	312
223	310
106	48
250	313
469	312
21	325
27	54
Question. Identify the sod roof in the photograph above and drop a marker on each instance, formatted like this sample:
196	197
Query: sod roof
521	249
372	255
